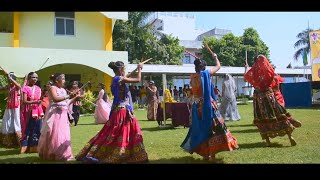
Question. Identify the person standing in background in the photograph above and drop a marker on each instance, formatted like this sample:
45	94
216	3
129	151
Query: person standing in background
10	132
152	100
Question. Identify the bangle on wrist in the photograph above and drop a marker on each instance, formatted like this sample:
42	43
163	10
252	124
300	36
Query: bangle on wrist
66	97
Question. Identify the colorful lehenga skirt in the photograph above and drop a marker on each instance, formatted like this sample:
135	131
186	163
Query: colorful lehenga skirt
152	110
119	141
220	137
270	117
10	132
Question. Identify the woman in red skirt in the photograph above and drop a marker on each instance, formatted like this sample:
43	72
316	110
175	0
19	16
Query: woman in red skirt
270	115
120	140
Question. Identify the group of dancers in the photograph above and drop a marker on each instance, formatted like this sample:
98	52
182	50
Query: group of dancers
40	122
121	141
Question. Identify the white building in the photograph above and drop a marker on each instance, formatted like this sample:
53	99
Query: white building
182	72
78	44
215	32
183	26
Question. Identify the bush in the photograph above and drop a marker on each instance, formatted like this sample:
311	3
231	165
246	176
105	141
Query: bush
87	107
3	95
248	97
245	101
135	106
2	104
110	96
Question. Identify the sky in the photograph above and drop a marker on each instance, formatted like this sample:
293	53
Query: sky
278	30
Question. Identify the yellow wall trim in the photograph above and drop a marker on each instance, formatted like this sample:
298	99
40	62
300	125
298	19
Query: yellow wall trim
16	29
107	82
108	34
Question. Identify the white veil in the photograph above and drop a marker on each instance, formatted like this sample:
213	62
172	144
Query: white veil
229	87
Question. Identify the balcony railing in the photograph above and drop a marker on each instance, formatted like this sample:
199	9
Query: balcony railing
157	15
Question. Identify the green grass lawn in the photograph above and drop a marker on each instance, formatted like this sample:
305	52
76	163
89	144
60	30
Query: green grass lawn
163	145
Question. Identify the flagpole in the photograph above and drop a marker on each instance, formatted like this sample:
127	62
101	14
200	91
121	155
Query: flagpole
310	47
305	75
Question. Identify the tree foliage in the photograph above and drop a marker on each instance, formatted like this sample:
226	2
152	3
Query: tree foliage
142	41
231	50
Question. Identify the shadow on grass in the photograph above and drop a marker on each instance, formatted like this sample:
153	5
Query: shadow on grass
242	104
34	160
260	145
83	124
184	160
306	108
145	120
246	131
169	119
168	127
240	125
24	160
7	152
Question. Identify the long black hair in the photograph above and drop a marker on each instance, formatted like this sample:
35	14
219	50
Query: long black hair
104	97
11	74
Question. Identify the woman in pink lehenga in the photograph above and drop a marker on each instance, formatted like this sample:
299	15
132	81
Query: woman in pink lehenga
103	108
54	142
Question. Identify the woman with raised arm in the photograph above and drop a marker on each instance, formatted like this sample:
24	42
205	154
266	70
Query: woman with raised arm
55	140
120	140
10	132
152	101
208	133
77	103
270	117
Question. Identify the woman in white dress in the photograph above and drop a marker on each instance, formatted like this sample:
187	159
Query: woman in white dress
103	108
228	107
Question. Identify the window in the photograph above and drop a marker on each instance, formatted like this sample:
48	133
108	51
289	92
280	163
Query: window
6	22
187	59
64	23
160	28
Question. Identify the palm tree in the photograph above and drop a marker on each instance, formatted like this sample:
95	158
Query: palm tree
302	44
